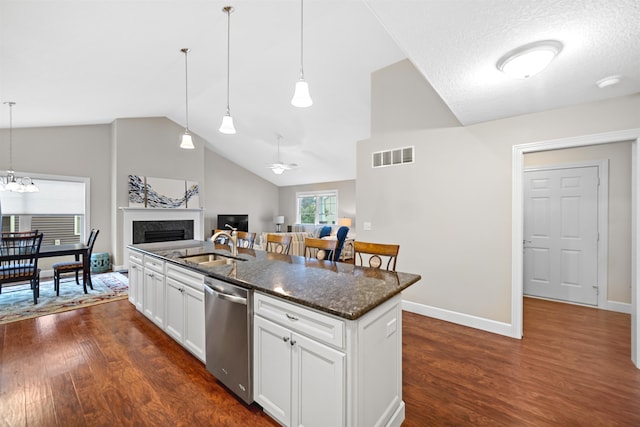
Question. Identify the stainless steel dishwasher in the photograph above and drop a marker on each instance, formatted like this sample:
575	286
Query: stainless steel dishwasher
228	311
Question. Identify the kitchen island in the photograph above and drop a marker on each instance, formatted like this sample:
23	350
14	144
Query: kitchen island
327	337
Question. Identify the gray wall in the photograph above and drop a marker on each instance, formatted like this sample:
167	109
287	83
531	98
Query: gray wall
450	211
108	153
619	223
150	147
79	151
234	190
346	200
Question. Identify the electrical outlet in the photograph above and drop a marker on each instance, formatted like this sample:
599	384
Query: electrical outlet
366	225
57	241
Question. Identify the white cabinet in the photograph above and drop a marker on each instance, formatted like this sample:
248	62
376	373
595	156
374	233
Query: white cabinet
314	369
153	292
298	379
136	279
185	319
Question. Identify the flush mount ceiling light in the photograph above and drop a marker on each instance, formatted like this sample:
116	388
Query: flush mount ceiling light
530	59
187	142
301	97
227	121
608	81
11	182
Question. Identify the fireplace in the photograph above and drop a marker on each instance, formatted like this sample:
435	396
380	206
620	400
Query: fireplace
132	215
162	231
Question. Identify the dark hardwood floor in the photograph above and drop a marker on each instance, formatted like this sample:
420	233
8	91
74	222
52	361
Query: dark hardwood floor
108	365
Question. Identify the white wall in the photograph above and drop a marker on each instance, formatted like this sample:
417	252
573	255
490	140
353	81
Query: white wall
346	200
450	211
618	156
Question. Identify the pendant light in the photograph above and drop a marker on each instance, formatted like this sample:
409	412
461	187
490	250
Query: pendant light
227	121
301	97
187	141
11	182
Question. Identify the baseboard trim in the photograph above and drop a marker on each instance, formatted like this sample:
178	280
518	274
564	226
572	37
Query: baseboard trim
620	307
481	323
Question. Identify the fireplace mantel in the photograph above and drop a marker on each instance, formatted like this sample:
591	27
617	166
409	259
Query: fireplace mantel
159	214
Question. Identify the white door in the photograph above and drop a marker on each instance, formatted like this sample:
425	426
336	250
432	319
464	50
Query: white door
561	234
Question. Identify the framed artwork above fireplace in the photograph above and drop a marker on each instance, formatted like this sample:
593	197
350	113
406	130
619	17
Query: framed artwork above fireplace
150	192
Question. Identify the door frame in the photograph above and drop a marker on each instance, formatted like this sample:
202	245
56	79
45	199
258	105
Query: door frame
517	221
603	223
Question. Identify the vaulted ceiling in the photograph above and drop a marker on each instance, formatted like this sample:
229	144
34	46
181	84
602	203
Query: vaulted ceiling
70	62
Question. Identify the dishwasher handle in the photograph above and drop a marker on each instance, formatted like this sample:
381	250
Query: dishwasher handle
228	297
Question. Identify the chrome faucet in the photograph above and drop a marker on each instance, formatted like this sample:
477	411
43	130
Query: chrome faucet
232	237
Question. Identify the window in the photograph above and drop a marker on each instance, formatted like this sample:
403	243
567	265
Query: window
57	211
317	207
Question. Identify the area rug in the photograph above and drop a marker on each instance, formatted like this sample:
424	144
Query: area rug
16	302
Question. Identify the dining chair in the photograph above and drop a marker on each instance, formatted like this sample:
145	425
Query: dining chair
75	266
341	236
319	248
19	259
246	239
375	254
278	243
222	238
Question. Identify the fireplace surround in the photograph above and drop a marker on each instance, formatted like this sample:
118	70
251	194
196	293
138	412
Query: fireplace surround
160	216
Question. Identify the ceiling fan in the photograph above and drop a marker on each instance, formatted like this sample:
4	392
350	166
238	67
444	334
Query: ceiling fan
279	167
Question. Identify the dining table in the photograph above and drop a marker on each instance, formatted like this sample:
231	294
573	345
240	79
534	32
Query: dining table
76	249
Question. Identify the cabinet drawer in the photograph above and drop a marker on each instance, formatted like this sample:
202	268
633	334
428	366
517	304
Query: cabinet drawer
315	325
186	277
135	257
154	264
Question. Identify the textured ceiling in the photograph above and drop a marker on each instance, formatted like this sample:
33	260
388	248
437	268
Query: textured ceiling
92	61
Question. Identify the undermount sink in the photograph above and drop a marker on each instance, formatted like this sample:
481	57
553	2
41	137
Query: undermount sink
209	260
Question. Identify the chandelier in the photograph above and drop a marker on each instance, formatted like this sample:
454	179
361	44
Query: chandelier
11	182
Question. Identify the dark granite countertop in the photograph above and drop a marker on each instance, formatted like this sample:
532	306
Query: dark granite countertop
337	288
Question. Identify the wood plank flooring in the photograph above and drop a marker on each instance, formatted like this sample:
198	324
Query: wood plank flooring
108	365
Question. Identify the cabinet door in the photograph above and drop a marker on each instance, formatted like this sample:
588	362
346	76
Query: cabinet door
135	285
158	299
153	296
318	384
272	369
194	322
174	310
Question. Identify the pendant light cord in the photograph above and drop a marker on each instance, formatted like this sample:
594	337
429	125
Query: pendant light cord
301	39
186	85
228	10
10	104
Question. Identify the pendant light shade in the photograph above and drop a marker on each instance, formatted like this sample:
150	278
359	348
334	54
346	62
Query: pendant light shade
227	125
227	121
186	142
301	97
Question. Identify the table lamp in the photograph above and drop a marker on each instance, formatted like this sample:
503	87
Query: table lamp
279	220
